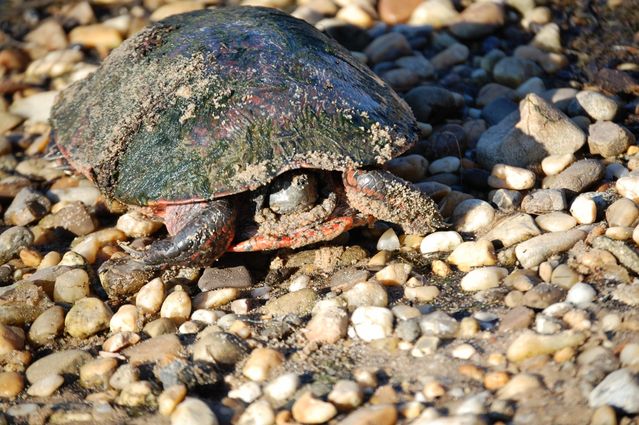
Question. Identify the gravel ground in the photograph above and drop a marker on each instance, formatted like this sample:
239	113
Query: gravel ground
523	311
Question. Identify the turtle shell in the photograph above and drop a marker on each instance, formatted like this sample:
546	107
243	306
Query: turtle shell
219	101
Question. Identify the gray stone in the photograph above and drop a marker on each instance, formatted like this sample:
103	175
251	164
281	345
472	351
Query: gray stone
12	241
512	230
619	389
578	177
512	71
431	100
608	139
28	206
388	47
506	200
229	277
598	106
544	201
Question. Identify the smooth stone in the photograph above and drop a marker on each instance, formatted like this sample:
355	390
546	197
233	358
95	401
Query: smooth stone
556	222
483	278
532	85
368	293
627	187
580	294
564	276
174	8
71	286
299	303
438	324
388	241
309	410
520	317
58	363
506	200
28	206
372	322
512	229
219	347
13	240
87	317
497	110
452	55
492	91
150	297
193	411
99	36
512	71
412	167
257	413
577	177
584	210
394	12
97	373
448	164
619	389
137	225
530	344
283	387
394	274
228	277
381	414
539	129
622	212
11	384
608	139
473	254
507	177
162	349
388	47
533	251
427	101
261	363
478	20
346	395
472	215
10	340
544	201
555	164
435	13
543	295
46	386
598	106
47	326
422	294
417	64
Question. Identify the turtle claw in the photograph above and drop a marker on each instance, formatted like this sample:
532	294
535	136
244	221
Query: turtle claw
136	254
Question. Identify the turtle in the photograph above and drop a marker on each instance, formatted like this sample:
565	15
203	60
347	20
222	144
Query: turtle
243	129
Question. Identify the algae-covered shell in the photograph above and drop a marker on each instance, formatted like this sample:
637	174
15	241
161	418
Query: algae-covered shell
219	101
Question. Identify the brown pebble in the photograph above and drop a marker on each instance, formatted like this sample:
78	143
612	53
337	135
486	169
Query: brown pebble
495	380
11	384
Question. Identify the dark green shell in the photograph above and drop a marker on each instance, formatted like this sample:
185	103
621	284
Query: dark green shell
219	101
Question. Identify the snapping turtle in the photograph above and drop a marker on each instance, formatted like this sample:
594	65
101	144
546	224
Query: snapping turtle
243	129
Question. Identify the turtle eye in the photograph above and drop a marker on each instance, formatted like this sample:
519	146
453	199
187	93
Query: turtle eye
293	192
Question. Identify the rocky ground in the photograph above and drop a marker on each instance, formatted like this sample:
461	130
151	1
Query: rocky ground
523	312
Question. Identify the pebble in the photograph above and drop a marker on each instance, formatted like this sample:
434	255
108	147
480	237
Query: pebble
533	251
608	139
10	340
97	373
530	135
463	351
150	297
508	177
506	200
452	55
388	47
581	294
584	210
598	106
604	415
627	187
619	389
530	344
622	212
27	206
543	295
629	356
260	364
394	274
219	347
71	286
13	240
346	395
175	8
472	215
478	20
388	241
436	13
447	164
215	298
329	325
35	108
422	294
309	410
372	322
170	398
161	349
57	363
120	340
125	319
74	217
368	293
299	303
483	278
11	384
555	164
473	254
438	324
444	241
577	177
46	386
513	71
227	277
87	317
410	167
258	413
193	411
47	326
247	392
544	201
519	387
282	388
394	12
135	225
512	229
556	222
381	414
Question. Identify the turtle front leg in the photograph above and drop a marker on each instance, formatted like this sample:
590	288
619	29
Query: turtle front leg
387	197
199	234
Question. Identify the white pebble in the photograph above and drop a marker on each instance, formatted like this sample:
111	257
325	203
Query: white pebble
555	164
630	355
388	241
193	411
581	293
508	177
372	323
472	215
283	387
150	297
258	413
177	306
463	351
483	278
447	164
440	242
629	187
248	392
125	319
300	282
205	316
584	210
